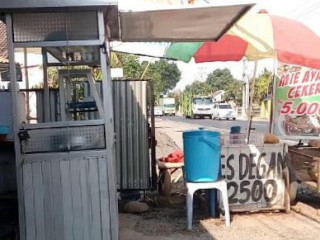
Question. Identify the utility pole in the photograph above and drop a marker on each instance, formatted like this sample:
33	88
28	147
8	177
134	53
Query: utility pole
245	90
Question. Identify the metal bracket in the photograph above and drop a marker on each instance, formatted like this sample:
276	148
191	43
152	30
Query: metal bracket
104	48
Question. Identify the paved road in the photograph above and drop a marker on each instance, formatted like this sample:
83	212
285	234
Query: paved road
261	126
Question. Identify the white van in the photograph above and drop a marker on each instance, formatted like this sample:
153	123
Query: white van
223	111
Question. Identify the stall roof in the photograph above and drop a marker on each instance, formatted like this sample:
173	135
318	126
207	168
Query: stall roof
13	5
169	25
183	24
109	7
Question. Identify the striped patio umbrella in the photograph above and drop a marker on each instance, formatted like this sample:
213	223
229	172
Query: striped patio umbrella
255	37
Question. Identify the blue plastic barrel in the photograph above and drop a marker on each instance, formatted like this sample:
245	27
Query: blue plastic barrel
4	130
201	155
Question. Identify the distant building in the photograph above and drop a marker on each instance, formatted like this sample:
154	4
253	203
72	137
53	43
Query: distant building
218	96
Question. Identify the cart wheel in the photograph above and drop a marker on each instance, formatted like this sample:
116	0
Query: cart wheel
293	193
294	185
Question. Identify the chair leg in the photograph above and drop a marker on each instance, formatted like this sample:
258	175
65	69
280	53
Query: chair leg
224	191
190	207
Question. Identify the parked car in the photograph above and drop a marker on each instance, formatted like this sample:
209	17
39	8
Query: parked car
158	111
223	111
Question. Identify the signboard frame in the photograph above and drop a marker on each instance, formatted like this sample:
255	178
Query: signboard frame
257	177
294	94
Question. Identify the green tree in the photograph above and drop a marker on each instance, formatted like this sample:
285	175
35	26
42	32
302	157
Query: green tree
222	79
261	86
199	88
169	72
164	75
130	64
219	78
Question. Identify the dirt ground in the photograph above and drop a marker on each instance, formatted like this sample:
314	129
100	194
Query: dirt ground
167	217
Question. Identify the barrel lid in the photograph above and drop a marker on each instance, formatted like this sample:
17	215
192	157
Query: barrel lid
235	129
200	132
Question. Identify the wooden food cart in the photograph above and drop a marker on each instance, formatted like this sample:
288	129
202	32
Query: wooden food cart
306	163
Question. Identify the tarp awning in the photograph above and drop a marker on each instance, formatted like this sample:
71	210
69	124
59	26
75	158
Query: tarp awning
183	24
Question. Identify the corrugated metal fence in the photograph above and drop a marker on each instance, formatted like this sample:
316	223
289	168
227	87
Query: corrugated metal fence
135	151
130	101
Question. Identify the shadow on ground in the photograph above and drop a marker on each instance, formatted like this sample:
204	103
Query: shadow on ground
170	221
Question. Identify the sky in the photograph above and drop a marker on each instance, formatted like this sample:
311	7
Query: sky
306	12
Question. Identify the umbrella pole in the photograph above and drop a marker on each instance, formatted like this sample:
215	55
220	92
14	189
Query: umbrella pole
273	96
145	70
251	100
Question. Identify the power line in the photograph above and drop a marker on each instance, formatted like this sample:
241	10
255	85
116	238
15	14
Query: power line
300	7
309	10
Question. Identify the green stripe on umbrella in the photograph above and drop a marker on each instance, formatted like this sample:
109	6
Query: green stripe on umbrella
183	51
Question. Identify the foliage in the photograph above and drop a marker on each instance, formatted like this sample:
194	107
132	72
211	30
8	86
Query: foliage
222	79
169	72
199	88
261	86
164	75
219	79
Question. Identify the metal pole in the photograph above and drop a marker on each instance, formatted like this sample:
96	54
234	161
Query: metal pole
25	53
145	70
247	95
153	137
15	124
274	86
251	100
46	87
109	128
244	91
243	110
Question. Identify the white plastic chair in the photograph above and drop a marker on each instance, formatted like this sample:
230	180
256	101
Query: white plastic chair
194	186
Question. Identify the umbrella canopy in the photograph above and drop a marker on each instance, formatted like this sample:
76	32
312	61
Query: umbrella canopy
255	37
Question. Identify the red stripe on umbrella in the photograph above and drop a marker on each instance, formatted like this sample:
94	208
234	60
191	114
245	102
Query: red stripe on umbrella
228	48
295	43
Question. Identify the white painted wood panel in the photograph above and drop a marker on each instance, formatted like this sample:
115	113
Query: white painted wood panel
29	202
95	200
48	201
86	208
68	200
38	201
104	199
76	199
57	199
